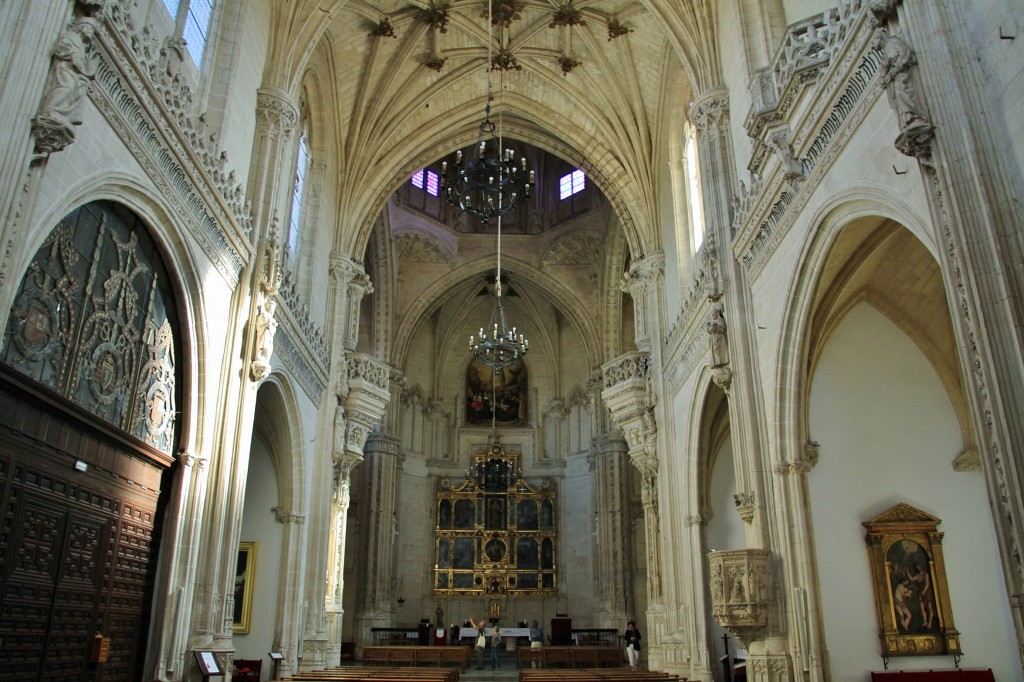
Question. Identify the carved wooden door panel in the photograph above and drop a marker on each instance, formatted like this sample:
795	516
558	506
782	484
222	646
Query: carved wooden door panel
52	589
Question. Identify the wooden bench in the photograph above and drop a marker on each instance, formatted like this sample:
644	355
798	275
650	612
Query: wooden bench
377	674
457	656
598	675
570	656
966	675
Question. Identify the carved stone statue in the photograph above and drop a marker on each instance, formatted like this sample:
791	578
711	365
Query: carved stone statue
898	81
72	69
717	336
263	347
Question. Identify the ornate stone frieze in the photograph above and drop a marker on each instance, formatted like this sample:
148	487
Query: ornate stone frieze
310	333
845	94
579	248
741	591
706	284
157	127
294	356
416	248
808	48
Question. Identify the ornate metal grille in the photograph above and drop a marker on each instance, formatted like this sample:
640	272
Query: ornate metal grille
94	320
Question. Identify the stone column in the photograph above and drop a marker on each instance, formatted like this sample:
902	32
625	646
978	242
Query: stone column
288	632
178	562
367	383
614	571
378	523
944	118
628	397
359	406
733	366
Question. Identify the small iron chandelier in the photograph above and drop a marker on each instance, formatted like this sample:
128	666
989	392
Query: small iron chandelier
489	186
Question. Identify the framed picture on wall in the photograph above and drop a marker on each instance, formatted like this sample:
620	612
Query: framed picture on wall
908	573
245	577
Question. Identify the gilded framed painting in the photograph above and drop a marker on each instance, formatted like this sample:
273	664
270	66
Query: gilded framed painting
909	578
245	577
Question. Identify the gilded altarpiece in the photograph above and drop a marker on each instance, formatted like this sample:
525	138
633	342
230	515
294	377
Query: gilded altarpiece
495	532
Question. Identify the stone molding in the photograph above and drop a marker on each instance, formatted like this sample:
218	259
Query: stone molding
158	127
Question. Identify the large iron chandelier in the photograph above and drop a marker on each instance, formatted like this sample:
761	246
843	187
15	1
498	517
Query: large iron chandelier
487	182
489	186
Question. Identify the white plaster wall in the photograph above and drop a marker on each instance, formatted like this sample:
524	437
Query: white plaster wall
795	10
260	525
724	531
888	434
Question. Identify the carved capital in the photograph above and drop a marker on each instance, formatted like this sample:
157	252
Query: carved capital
968	460
711	113
643	276
275	112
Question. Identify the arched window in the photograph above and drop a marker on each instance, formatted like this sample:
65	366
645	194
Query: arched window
192	22
302	166
694	189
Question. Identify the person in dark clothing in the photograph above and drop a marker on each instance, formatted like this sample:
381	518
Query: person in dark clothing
632	637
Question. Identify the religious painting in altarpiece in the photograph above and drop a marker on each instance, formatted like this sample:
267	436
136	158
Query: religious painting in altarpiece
495	532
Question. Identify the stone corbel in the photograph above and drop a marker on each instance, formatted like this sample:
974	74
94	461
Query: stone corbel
777	139
741	591
744	506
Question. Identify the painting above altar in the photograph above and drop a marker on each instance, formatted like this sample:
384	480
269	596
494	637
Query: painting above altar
496	394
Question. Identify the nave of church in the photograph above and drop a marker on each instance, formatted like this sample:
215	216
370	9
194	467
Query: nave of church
743	304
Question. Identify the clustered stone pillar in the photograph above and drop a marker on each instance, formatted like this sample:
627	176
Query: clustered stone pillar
628	397
361	391
378	523
731	361
614	571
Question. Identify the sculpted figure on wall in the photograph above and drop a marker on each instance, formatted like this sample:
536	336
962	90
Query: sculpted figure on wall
896	77
266	327
72	69
717	336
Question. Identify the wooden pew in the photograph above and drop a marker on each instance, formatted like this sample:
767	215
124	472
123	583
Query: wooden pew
417	655
378	674
597	675
570	656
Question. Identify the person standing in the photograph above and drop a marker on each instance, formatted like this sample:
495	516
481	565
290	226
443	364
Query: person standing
481	642
495	648
632	637
536	642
